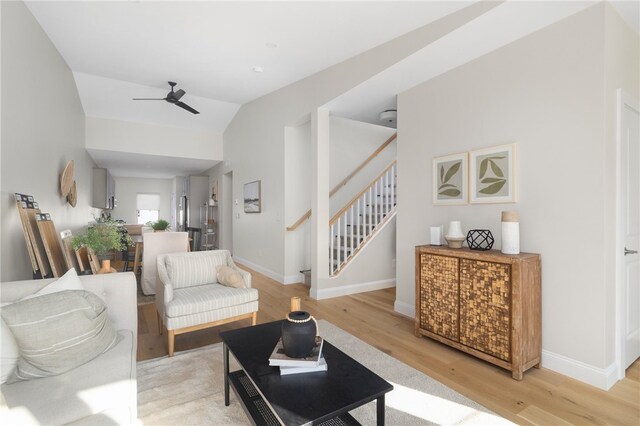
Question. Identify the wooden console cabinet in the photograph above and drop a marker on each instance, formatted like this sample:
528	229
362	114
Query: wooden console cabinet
484	303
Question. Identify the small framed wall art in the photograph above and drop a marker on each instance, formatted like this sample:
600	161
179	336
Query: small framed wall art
493	174
252	197
450	179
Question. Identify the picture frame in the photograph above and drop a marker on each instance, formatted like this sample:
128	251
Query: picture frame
492	173
450	180
252	197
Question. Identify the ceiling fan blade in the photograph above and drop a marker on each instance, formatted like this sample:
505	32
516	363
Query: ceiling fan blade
187	107
178	94
149	99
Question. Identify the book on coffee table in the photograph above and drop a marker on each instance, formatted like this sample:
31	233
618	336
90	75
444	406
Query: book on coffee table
322	366
279	359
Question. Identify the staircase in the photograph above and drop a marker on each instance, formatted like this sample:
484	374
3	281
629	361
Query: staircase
356	223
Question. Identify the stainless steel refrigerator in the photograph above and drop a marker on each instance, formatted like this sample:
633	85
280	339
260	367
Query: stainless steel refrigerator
195	192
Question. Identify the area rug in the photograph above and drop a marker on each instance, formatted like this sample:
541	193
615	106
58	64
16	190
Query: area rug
188	389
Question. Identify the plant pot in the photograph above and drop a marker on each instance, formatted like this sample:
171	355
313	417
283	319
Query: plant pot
106	267
299	334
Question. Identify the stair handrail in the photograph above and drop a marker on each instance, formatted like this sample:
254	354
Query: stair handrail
344	181
361	219
366	188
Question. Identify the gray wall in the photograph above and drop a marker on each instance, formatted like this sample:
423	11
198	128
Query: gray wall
547	93
127	190
42	128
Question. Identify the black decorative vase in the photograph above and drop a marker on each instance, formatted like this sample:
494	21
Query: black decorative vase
299	334
480	239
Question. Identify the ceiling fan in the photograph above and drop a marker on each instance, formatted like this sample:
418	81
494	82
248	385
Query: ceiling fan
173	98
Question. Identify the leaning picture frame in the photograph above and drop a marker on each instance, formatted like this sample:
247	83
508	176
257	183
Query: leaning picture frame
450	181
252	197
492	175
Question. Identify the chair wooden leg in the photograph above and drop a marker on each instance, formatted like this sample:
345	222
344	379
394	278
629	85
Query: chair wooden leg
254	318
160	325
170	334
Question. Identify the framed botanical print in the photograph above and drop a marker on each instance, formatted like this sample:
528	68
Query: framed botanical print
450	179
493	174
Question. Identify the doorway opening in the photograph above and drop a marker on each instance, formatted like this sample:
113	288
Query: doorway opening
627	232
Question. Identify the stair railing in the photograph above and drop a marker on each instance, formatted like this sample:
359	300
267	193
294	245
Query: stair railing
358	221
344	181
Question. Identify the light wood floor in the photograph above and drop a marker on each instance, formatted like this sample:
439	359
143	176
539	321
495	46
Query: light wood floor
542	398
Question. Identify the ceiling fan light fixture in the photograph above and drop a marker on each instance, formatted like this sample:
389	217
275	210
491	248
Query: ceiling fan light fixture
173	97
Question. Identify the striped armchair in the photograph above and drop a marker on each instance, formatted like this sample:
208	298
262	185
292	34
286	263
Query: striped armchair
189	297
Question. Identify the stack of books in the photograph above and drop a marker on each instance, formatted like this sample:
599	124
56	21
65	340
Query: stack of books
314	362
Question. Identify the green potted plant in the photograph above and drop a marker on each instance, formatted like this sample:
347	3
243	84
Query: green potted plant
102	239
160	225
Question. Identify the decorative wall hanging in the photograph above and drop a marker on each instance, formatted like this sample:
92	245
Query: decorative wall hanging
450	179
68	185
492	174
252	197
480	239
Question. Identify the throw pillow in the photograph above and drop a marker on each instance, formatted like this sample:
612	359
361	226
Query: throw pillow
9	353
57	332
69	281
229	277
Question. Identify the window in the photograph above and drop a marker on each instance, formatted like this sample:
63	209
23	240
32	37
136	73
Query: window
148	206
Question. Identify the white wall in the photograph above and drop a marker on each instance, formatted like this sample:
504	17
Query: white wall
547	93
254	140
42	129
127	190
140	138
622	68
351	142
297	189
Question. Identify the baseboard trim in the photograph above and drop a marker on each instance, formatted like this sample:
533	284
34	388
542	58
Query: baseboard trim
264	271
602	378
345	290
293	279
405	309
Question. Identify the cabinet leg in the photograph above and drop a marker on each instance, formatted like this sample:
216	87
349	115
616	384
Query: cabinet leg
517	374
537	366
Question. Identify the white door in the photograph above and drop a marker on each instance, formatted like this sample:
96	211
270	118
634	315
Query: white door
630	138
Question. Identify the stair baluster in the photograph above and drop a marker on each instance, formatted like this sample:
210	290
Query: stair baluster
358	221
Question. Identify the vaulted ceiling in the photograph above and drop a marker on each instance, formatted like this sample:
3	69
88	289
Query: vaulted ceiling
225	54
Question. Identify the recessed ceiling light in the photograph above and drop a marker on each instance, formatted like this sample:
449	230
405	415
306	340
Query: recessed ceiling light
258	69
271	45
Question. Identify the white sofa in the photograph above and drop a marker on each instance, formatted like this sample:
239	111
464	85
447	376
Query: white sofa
100	392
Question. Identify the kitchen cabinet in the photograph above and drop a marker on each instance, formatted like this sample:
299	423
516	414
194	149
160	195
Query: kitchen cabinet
104	189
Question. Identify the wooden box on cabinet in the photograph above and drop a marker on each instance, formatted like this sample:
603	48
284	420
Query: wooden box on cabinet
484	303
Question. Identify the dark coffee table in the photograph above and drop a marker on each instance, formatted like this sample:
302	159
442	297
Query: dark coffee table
299	399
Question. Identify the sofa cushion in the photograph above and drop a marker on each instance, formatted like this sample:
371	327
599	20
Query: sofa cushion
105	386
69	281
195	268
229	277
58	332
193	300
